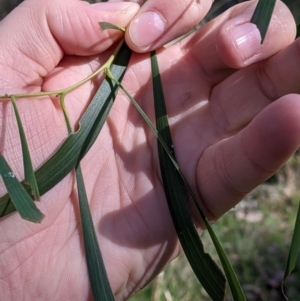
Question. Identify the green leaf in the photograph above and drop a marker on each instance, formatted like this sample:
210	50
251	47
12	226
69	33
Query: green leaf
294	248
107	25
206	259
101	289
202	264
262	16
235	287
77	145
298	31
19	196
97	274
27	163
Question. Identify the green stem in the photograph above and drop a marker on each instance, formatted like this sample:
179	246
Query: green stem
162	142
154	130
63	107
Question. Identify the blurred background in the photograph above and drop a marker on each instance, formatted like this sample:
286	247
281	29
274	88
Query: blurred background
256	234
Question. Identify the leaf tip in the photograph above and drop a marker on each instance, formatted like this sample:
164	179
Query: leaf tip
107	25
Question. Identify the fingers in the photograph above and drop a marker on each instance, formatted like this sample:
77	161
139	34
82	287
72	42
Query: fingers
159	22
38	33
233	167
230	40
237	40
78	30
236	100
241	162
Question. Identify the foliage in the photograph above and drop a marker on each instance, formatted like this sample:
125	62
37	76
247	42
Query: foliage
176	186
256	236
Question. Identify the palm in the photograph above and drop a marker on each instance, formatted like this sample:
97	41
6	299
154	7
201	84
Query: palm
123	185
211	110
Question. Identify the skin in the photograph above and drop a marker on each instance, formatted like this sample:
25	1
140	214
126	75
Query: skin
234	119
175	22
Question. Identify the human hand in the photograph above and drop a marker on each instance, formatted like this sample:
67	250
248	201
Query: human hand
159	22
232	129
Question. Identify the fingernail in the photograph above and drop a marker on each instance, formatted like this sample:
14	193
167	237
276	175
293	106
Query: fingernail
147	28
110	6
247	39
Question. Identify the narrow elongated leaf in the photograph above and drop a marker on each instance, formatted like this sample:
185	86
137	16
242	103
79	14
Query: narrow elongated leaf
262	16
78	144
294	249
235	287
19	196
27	163
100	286
202	264
97	274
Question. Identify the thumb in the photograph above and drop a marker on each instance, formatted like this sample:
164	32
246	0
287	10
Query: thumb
37	34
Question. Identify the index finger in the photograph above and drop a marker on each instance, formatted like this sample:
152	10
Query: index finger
159	22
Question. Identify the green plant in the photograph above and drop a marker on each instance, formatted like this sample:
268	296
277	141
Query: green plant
80	141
